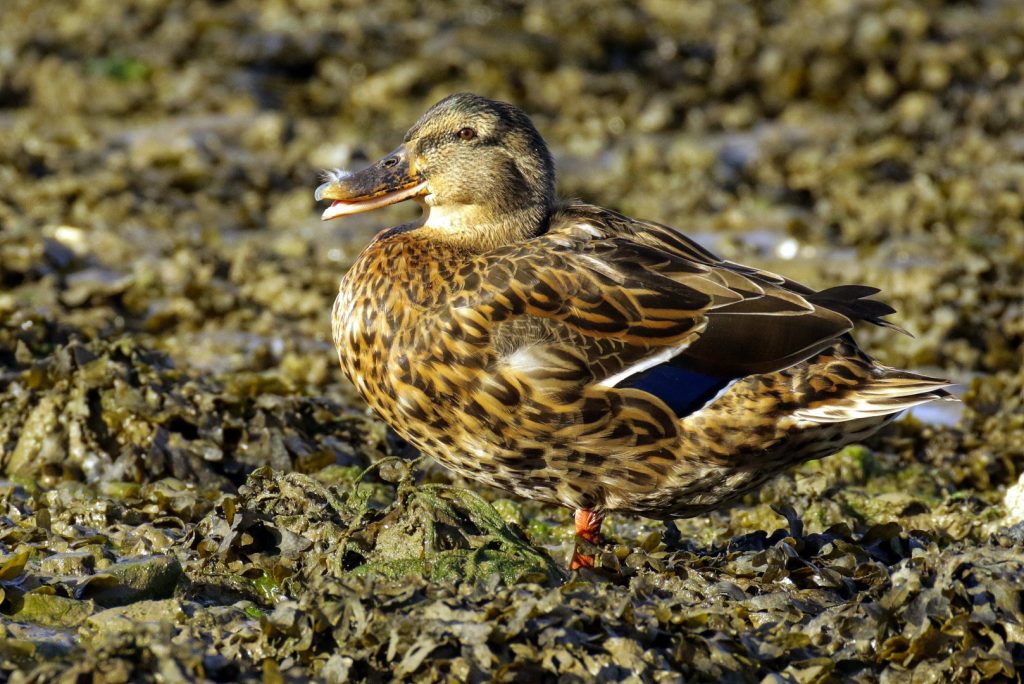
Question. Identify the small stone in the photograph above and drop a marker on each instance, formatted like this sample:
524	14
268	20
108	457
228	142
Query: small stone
50	610
127	618
336	669
1013	501
68	563
154	577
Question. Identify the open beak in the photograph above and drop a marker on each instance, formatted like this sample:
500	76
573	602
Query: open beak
388	181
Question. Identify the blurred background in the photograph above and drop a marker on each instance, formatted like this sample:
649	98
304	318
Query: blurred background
166	288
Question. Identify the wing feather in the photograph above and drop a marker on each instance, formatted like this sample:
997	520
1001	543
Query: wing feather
627	296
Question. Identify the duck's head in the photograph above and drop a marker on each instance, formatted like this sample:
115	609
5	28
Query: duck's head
478	167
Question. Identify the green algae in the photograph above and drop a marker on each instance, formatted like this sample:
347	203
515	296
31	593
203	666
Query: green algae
267	589
464	538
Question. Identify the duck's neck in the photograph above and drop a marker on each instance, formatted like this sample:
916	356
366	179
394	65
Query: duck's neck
479	228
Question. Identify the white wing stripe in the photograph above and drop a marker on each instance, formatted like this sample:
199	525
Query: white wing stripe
643	364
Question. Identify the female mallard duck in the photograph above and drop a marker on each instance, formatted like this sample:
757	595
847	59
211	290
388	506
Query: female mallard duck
571	354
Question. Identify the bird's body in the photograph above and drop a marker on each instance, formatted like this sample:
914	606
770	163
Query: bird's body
440	343
577	356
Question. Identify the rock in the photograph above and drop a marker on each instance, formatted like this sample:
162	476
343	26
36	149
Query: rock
69	563
50	610
1013	501
26	645
154	577
336	669
127	618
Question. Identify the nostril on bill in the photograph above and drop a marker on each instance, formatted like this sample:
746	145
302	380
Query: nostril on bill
389	162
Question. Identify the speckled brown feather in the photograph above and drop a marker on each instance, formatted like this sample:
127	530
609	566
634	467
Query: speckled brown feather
497	362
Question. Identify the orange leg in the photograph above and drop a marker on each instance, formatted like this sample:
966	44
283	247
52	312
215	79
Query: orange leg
588	528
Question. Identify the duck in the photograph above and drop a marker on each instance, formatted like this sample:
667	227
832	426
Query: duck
566	353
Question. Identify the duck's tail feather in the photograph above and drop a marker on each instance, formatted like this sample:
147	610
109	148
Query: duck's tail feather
852	302
888	391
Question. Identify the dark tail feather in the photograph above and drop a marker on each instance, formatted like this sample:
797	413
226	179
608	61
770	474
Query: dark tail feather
850	301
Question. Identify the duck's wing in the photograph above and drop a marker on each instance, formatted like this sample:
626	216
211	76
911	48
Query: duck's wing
611	301
850	300
630	296
576	307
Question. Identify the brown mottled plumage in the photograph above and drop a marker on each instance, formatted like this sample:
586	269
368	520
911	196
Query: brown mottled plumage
570	354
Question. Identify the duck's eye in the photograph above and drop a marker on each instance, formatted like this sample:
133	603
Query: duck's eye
467	134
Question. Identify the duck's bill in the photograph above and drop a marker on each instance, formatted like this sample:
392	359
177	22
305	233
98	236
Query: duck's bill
388	181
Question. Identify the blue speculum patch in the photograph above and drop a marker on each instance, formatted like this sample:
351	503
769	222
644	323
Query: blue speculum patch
683	389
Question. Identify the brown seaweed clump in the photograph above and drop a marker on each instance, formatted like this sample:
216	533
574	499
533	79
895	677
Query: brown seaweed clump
100	412
305	575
